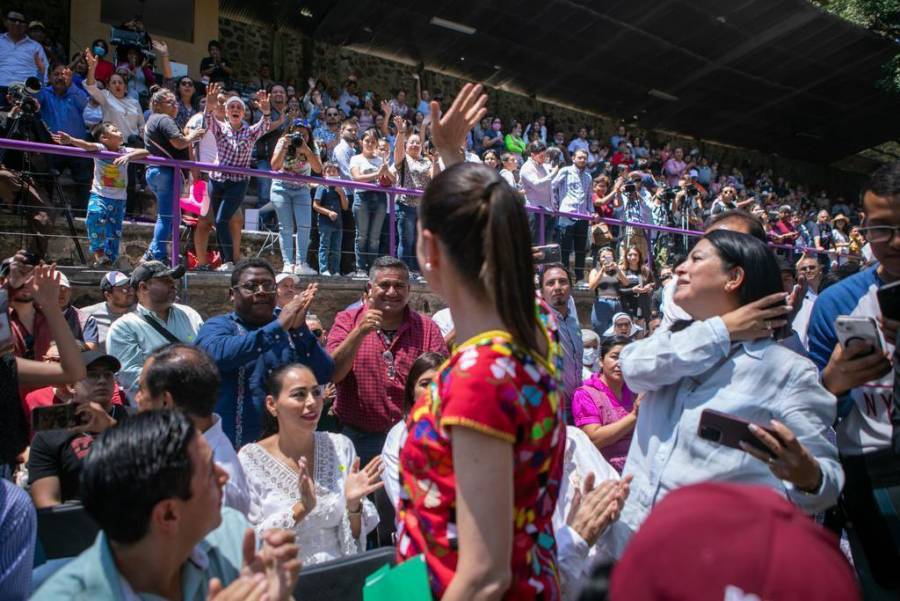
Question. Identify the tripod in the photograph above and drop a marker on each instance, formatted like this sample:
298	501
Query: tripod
25	127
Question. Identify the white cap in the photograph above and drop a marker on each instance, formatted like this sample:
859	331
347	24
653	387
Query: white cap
283	276
63	280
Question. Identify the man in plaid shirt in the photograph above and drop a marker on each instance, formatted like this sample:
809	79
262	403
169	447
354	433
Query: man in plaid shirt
373	347
235	141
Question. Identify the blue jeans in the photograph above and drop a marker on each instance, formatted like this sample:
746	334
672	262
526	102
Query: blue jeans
330	237
263	184
407	217
602	313
104	224
369	209
225	199
160	180
294	209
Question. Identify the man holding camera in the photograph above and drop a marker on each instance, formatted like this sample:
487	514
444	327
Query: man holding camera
20	56
637	206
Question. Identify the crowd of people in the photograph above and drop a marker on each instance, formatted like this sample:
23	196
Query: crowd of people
716	392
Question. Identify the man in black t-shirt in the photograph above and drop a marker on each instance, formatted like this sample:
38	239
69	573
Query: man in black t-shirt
56	456
214	66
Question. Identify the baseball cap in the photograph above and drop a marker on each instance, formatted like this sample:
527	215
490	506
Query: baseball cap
715	541
92	357
36	25
155	269
283	276
113	279
63	280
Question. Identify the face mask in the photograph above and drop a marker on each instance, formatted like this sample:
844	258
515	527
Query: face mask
590	357
99	51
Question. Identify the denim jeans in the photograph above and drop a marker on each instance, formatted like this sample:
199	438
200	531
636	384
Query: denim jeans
602	313
104	224
225	199
294	209
369	209
407	217
160	180
330	237
572	235
264	185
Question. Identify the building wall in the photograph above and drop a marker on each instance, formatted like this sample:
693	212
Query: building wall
85	26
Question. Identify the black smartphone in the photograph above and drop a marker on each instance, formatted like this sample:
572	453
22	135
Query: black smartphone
889	300
730	430
55	417
549	253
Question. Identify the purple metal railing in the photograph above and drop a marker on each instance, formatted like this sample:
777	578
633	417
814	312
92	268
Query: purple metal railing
390	191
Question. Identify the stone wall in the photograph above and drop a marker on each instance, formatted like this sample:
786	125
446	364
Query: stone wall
249	45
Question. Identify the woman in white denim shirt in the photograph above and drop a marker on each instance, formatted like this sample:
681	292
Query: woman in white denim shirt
727	360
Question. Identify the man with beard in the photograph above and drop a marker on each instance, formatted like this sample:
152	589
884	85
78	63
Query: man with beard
156	321
119	300
252	341
326	135
56	456
556	290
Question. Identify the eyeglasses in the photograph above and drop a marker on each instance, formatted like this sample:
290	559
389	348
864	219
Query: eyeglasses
879	234
253	288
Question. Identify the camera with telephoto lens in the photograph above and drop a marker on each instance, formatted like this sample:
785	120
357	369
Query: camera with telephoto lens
670	194
22	95
629	188
691	190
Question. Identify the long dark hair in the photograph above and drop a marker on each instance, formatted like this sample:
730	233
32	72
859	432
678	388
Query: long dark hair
761	274
423	363
274	384
483	225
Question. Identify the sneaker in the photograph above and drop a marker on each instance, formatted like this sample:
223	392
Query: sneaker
581	285
325	274
304	269
229	266
288	268
359	274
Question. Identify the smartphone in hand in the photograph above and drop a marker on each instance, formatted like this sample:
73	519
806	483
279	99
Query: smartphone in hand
730	431
548	253
55	417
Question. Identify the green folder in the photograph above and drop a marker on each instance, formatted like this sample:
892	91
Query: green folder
407	581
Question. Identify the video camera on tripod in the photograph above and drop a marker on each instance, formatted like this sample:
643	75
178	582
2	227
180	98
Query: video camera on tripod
22	95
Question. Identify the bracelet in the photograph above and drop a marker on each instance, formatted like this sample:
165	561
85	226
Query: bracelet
357	512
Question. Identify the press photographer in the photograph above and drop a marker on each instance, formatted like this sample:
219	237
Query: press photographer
20	56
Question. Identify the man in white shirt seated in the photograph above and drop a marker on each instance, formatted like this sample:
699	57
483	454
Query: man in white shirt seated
184	377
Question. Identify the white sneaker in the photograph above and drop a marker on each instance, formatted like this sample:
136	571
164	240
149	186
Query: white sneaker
288	268
229	266
326	274
304	269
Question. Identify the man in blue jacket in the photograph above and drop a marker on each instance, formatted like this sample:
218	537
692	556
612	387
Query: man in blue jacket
250	342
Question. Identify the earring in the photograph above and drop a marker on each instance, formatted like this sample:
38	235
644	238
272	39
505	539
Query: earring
427	265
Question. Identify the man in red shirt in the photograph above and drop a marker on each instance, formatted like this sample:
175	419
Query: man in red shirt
373	346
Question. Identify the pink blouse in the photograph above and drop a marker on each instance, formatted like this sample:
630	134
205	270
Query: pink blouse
595	403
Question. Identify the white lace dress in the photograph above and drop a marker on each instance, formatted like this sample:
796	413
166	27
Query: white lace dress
324	534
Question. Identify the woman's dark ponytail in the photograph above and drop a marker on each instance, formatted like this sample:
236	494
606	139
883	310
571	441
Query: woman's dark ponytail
482	222
507	273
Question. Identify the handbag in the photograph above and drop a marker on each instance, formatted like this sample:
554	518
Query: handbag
161	330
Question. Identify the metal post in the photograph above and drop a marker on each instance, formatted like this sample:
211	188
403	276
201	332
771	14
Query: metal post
175	257
392	226
541	227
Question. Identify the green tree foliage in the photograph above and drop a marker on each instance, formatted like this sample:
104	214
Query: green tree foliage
880	16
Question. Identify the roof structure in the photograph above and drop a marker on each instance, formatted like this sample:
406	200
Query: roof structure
779	76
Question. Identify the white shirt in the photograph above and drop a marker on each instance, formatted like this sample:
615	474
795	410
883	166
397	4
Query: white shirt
209	150
536	180
125	113
236	493
325	533
801	319
671	312
17	60
698	368
390	457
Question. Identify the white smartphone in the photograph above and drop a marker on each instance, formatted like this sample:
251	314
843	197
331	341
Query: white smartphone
858	328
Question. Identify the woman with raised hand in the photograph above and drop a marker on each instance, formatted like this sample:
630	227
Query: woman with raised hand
727	359
481	466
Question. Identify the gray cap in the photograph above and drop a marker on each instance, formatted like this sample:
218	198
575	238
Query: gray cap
155	269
